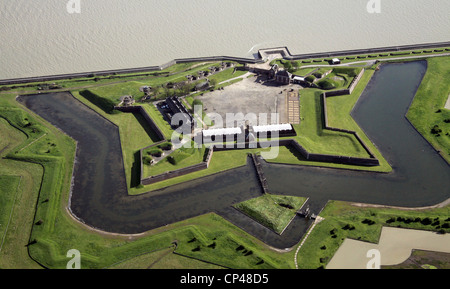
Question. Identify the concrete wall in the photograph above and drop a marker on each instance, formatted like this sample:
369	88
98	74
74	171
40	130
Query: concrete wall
224	58
368	51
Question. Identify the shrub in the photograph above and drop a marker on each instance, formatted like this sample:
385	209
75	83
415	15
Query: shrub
156	152
166	146
348	227
368	222
426	221
172	160
436	130
391	220
147	160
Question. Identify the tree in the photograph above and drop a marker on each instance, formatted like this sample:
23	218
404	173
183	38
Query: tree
436	130
287	65
213	82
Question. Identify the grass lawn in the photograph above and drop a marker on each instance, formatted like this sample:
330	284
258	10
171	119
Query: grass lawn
304	71
427	110
9	186
115	91
273	211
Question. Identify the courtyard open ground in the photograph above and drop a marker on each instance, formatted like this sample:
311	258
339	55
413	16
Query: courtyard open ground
250	96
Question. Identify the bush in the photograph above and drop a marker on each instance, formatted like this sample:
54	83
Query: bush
368	222
348	227
166	146
156	152
436	130
426	221
391	220
172	160
147	160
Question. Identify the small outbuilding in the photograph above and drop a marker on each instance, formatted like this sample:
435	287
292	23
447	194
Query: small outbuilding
335	61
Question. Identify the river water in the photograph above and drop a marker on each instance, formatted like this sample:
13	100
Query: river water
420	177
41	38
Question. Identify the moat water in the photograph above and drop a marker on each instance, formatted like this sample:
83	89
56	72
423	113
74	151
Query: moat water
420	176
42	38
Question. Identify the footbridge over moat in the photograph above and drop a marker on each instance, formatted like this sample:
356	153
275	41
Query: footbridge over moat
100	198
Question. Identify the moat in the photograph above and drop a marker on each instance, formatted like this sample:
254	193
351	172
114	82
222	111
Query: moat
100	199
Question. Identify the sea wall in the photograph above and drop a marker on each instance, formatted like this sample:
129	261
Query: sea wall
285	52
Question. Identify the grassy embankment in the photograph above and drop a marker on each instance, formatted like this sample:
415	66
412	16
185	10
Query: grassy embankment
272	211
41	157
427	110
343	220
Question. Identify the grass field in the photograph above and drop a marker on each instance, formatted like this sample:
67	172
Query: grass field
273	211
427	109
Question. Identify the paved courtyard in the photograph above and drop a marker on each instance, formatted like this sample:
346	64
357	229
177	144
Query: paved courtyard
249	96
